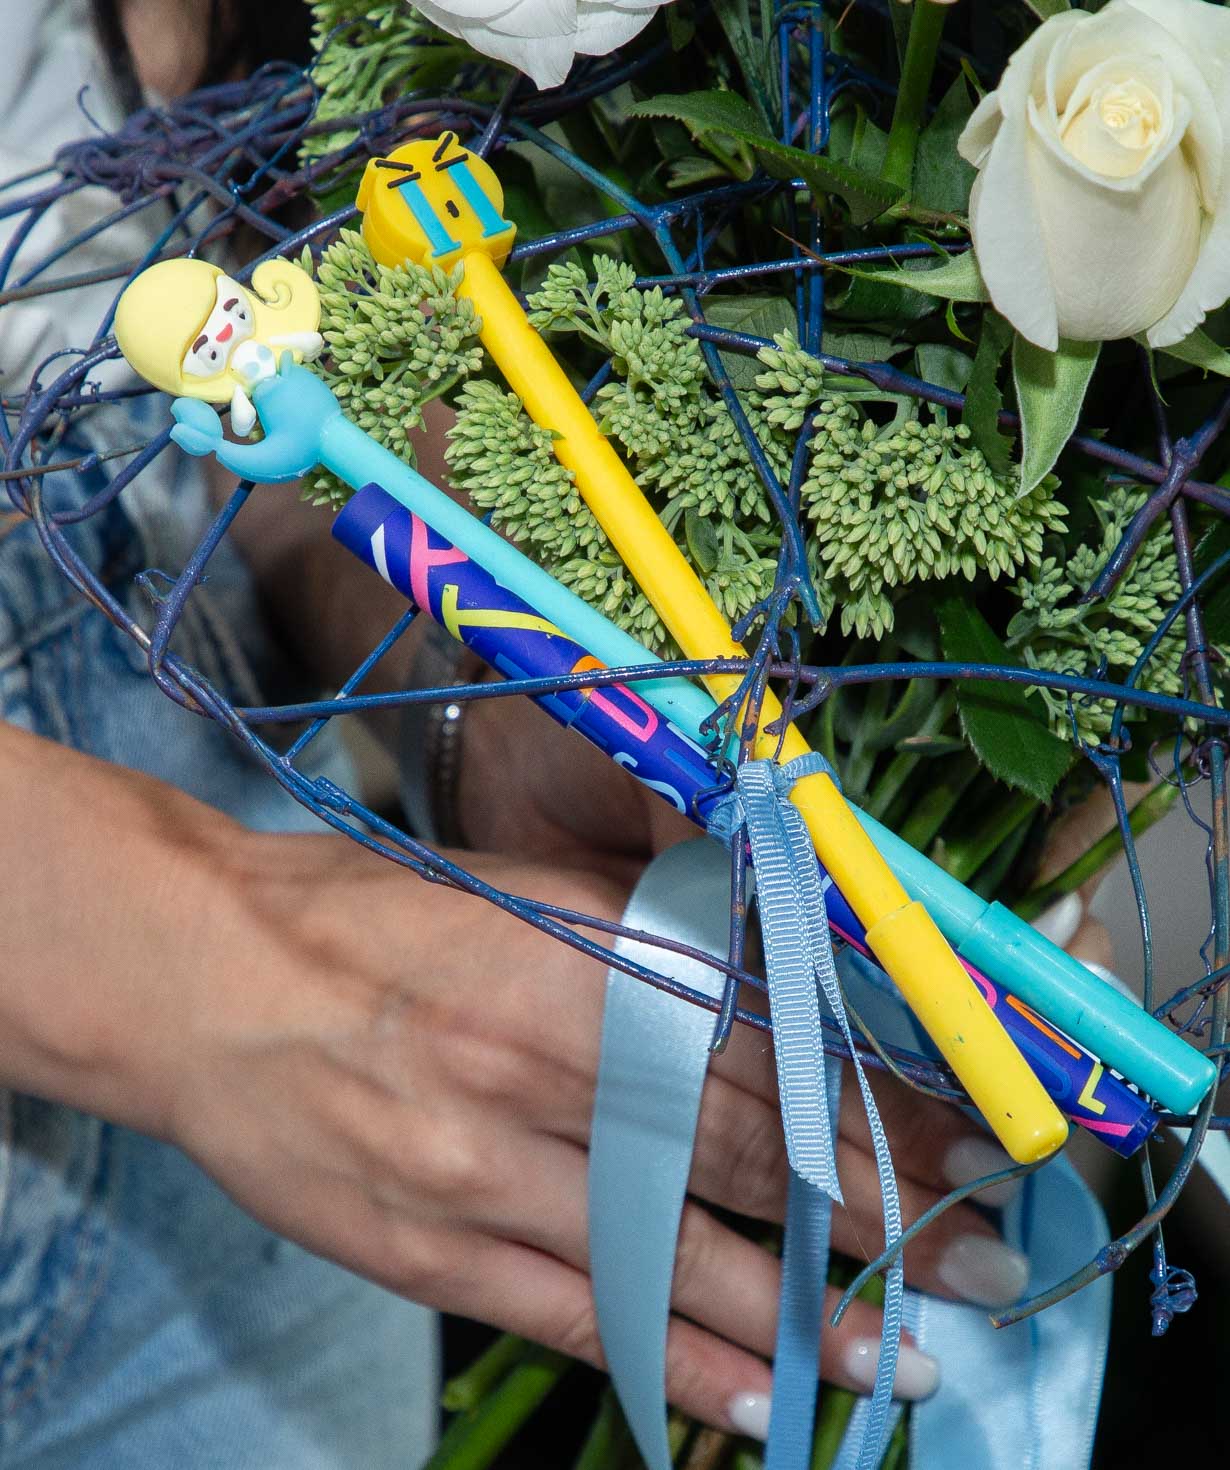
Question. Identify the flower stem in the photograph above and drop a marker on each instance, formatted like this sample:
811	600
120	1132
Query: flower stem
963	856
953	776
903	764
707	1450
837	1405
926	24
1149	809
468	1388
898	1445
608	1441
474	1439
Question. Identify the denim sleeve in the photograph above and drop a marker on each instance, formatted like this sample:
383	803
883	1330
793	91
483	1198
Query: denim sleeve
145	1320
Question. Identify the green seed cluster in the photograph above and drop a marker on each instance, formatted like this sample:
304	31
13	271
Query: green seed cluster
395	339
888	505
906	502
1054	631
367	54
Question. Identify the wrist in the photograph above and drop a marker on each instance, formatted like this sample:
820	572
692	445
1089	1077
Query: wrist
103	919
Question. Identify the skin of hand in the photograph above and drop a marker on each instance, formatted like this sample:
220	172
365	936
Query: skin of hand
396	1074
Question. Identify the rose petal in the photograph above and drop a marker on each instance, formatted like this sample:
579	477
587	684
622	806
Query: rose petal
1202	30
979	132
534	19
1028	62
1008	239
1124	31
1118	258
602	28
546	59
1108	153
1128	183
474	10
1208	286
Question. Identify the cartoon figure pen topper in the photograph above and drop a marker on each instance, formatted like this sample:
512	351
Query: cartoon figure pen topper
431	201
190	329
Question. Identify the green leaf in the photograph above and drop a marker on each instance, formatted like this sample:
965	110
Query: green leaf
1050	388
729	115
878	301
758	316
702	541
958	279
679	27
1044	9
945	366
983	400
1004	723
862	346
1215	602
752	56
1199	350
942	178
869	146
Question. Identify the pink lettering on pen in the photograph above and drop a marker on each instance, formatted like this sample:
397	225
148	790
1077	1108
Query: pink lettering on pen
600	698
423	559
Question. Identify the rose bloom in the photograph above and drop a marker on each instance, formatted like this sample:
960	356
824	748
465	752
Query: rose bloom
541	37
1102	203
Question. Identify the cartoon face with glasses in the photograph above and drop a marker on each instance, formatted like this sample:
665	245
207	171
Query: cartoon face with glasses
431	202
192	330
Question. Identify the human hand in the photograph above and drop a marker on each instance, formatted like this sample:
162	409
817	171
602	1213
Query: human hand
401	1078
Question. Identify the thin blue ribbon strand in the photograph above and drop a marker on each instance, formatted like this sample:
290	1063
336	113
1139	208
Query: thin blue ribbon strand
796	1354
800	967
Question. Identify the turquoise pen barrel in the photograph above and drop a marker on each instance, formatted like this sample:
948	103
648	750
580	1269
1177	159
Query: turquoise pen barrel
1104	1021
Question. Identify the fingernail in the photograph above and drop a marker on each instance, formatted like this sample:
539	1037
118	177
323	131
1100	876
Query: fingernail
981	1269
1111	979
917	1375
971	1158
749	1414
1061	921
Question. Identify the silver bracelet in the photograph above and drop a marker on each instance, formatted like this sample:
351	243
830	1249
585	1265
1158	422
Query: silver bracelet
430	741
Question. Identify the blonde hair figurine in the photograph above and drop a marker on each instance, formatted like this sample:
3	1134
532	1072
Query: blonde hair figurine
192	330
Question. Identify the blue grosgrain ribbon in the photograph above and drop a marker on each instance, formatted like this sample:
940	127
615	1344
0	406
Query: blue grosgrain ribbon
800	966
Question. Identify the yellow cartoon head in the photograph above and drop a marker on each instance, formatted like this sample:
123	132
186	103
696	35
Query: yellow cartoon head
180	324
431	201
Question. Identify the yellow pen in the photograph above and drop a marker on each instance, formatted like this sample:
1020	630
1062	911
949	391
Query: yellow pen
434	203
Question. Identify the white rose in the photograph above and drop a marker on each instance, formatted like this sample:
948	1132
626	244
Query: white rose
1102	203
541	37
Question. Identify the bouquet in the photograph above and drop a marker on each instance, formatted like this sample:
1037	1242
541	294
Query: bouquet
909	321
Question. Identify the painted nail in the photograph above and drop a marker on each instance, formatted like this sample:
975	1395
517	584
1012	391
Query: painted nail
749	1414
1061	921
981	1269
917	1375
971	1158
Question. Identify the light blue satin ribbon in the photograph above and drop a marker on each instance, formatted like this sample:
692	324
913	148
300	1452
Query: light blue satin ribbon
800	968
1024	1397
655	1054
